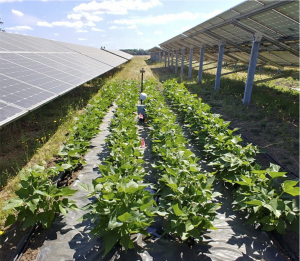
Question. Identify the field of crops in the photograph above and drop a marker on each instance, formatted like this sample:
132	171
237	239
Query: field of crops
181	204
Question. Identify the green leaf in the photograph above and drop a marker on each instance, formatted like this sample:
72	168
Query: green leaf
66	166
64	192
280	228
131	187
46	218
289	187
177	210
22	193
62	210
110	239
11	219
13	203
173	186
254	202
84	186
125	217
108	196
187	153
188	226
28	222
276	174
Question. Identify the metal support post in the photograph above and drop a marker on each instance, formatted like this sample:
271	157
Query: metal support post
201	63
220	61
182	60
165	55
176	61
169	59
159	56
260	69
191	60
251	68
172	64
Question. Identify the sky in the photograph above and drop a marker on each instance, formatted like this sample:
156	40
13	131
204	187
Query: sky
115	24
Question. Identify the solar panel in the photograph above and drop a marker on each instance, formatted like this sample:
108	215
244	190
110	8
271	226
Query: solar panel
35	70
120	53
278	21
8	112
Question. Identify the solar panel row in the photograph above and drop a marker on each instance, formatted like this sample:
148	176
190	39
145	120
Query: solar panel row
34	71
277	21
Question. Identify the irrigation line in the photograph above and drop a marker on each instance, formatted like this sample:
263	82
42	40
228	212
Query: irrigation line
22	246
267	155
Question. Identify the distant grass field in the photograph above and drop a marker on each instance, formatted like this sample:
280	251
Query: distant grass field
271	121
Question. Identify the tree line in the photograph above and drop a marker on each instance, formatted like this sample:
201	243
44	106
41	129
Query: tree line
136	51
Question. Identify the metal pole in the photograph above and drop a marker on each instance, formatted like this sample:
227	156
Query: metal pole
182	60
165	59
169	59
220	61
251	68
191	61
201	63
176	61
142	88
172	60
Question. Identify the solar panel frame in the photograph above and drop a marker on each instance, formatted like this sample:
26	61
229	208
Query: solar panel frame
120	53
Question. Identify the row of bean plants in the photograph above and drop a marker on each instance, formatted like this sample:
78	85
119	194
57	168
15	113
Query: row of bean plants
38	197
185	192
122	206
264	200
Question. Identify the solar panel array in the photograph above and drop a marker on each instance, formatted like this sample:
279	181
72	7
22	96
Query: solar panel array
278	21
34	71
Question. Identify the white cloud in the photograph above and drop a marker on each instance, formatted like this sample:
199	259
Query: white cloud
97	29
56	34
9	1
139	33
84	17
113	27
82	31
212	14
77	24
82	39
114	7
158	32
44	23
89	23
164	19
103	35
132	26
16	12
19	28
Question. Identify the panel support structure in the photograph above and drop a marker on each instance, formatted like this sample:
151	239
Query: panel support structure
201	63
172	60
159	56
176	61
220	61
169	59
191	61
165	55
251	68
182	60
